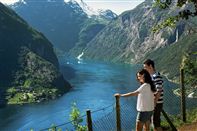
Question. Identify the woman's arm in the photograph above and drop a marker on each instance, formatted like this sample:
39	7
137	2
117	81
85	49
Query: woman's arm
134	93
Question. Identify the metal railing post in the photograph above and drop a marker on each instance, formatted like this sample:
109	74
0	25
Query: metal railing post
118	120
169	121
183	104
89	120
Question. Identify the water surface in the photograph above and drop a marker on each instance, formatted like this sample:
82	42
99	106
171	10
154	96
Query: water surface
94	84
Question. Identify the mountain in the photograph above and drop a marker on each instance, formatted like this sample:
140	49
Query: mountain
60	22
98	14
57	20
28	62
107	14
129	38
89	30
169	59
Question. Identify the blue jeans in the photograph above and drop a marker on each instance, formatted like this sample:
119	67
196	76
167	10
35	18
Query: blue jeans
144	116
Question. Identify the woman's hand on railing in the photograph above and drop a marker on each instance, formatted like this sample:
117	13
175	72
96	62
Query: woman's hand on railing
117	94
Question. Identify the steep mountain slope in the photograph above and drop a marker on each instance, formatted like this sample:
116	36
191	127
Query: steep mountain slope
168	60
27	57
87	33
60	22
129	38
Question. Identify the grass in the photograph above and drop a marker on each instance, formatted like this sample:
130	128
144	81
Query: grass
191	117
37	95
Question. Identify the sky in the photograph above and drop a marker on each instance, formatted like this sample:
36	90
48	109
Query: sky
117	6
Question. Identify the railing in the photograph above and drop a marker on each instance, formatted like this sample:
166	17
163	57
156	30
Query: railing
121	115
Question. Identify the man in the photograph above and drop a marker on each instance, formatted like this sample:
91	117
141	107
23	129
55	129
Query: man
157	79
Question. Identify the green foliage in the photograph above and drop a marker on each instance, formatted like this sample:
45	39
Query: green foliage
182	14
11	90
188	91
20	95
16	99
177	120
27	83
192	115
162	4
34	70
189	64
168	59
34	80
27	61
76	118
169	22
54	128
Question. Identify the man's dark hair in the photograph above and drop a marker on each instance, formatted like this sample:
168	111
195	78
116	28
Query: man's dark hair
150	62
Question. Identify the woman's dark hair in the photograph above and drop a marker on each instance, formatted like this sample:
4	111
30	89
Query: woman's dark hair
147	79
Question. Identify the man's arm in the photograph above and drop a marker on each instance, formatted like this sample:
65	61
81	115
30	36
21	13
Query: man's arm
157	96
159	87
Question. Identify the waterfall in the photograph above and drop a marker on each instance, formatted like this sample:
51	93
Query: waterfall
177	35
79	56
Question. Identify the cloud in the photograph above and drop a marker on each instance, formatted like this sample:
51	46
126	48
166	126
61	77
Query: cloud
117	6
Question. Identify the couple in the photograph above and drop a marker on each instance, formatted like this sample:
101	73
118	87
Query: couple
150	97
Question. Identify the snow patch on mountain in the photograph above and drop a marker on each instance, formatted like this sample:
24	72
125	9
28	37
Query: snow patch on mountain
92	12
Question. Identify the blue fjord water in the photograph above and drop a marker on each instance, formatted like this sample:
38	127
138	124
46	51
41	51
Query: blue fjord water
94	84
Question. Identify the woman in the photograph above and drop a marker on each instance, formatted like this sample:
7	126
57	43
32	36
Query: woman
145	101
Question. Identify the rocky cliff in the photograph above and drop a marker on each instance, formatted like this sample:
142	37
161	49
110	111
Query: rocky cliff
129	38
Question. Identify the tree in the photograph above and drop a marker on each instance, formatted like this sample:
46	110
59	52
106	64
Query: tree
189	64
186	9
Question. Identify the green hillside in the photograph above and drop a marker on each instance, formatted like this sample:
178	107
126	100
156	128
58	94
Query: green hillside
169	58
28	62
129	37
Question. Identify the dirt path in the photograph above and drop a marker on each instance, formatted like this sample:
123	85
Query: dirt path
189	127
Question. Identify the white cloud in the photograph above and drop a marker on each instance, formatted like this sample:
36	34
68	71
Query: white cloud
117	6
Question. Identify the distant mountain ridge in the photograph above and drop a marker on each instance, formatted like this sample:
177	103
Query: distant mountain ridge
60	22
105	14
56	19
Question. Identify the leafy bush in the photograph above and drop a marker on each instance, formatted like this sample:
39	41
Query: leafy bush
76	119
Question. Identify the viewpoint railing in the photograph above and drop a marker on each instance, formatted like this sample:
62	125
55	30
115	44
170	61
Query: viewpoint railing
121	114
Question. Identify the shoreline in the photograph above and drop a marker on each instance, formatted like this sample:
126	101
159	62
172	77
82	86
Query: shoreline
177	90
187	94
175	81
